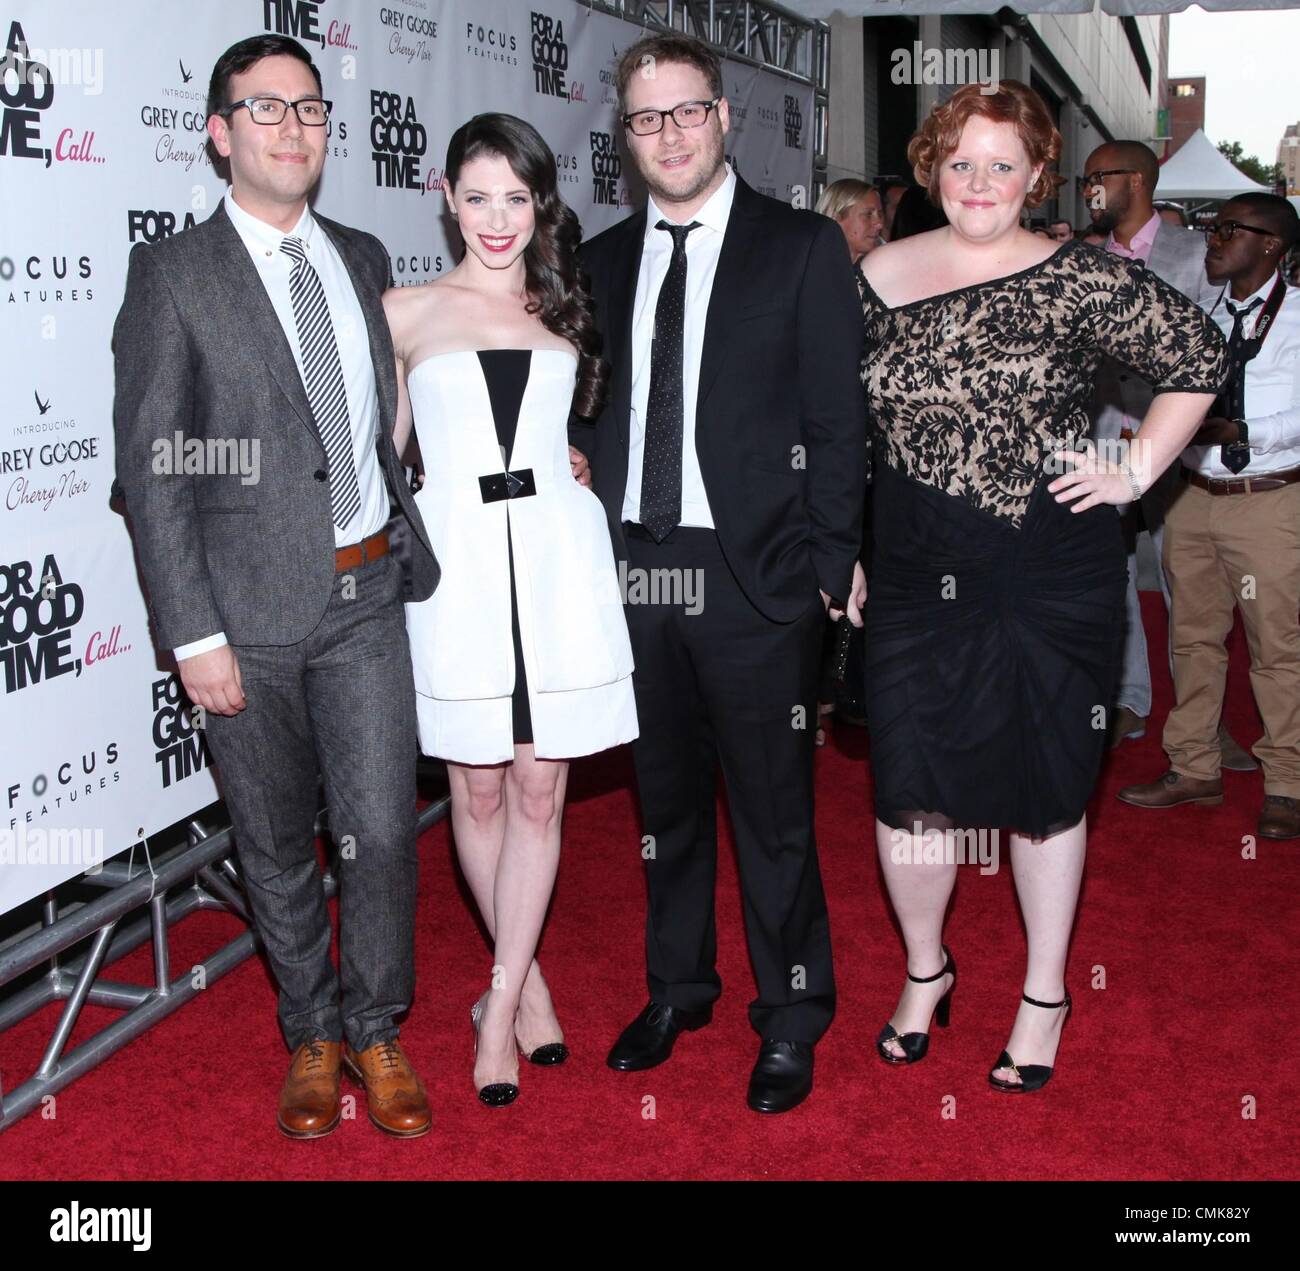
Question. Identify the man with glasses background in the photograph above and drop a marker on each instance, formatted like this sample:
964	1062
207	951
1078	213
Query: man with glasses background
1118	185
1232	536
732	449
281	596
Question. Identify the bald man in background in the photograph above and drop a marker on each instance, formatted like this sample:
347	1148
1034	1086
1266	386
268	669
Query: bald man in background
1119	185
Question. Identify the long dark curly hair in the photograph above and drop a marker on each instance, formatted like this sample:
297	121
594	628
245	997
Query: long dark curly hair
557	283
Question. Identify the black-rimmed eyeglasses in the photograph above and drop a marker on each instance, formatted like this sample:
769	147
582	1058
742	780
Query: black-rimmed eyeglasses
1226	229
1096	178
312	112
644	123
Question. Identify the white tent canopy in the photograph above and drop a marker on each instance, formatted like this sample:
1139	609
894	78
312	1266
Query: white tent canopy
1198	171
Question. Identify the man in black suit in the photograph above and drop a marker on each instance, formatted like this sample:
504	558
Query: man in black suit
279	587
731	460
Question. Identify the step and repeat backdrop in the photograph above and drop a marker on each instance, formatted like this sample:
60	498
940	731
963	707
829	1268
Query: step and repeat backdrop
102	146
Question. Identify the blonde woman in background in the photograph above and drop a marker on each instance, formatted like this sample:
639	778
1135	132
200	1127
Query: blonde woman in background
855	206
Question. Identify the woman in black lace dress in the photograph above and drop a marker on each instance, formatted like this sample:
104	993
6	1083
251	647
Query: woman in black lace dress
997	596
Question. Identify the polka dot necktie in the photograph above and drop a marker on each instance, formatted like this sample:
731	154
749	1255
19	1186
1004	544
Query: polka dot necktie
323	379
661	456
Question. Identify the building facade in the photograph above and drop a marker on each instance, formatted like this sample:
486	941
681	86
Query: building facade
1102	77
1288	158
1186	109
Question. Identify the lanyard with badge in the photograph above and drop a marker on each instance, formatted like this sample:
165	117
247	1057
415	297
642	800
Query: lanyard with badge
1231	403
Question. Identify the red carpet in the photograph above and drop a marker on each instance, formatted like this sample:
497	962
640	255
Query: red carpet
1197	1015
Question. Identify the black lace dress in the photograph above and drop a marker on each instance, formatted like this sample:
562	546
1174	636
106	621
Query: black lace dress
995	617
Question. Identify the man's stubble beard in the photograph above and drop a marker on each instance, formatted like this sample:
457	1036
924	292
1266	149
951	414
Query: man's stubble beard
713	159
1109	217
1105	221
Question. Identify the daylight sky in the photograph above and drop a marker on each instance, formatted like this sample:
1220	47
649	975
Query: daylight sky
1251	64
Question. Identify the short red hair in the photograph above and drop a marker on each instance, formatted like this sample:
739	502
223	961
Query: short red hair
1014	103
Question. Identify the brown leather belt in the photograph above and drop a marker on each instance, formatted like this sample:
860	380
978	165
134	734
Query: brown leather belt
356	554
1243	485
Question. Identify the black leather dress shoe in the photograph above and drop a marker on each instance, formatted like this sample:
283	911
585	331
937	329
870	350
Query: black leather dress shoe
782	1077
648	1040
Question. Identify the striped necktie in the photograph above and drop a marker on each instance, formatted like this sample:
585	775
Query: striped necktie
323	378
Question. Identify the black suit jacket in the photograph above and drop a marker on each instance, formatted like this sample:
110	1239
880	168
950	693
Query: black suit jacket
198	350
780	426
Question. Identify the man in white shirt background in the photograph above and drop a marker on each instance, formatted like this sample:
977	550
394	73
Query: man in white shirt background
1119	183
1232	534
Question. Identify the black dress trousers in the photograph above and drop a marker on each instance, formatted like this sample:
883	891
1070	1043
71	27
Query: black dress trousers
726	685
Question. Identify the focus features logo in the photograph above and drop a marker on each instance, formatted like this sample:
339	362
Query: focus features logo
72	779
492	44
49	274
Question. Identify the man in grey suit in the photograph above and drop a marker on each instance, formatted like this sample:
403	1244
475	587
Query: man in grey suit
259	335
1119	186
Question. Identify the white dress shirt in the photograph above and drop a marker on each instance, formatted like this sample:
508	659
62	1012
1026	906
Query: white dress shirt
1272	391
353	340
703	246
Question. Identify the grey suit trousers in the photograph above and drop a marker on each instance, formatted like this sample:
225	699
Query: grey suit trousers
341	703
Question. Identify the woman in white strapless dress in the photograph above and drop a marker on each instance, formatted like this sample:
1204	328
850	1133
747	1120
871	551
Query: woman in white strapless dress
521	655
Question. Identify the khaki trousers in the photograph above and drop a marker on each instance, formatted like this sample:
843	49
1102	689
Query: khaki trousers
1221	551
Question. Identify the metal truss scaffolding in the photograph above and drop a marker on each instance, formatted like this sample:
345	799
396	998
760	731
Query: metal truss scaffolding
199	873
761	34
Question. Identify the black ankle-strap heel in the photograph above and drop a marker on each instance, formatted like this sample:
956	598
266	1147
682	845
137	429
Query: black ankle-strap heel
915	1045
1032	1076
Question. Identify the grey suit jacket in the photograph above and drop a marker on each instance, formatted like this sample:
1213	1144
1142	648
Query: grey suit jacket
198	350
1177	256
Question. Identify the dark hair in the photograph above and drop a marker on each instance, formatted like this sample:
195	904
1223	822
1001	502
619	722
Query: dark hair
1013	103
1277	215
562	297
1138	156
239	57
654	49
916	213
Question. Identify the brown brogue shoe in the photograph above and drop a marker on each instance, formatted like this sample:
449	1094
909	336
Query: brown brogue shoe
1171	790
1279	818
309	1099
395	1096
